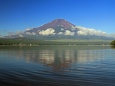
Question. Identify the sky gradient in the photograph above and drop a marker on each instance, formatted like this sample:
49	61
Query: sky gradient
18	15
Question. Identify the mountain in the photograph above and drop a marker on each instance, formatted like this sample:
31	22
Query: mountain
55	24
54	28
62	29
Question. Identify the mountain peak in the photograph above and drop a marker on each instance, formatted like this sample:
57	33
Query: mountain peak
60	22
55	24
59	19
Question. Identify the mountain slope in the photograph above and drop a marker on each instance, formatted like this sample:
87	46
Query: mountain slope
54	24
60	28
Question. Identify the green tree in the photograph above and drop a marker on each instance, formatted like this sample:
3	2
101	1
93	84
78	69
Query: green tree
113	43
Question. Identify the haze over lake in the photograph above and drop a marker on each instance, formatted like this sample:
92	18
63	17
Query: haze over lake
57	66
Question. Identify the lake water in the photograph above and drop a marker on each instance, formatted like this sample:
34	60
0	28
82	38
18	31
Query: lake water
57	66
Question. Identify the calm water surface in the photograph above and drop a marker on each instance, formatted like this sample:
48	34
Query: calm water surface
57	66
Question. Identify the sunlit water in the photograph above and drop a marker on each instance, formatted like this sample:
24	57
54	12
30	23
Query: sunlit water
57	66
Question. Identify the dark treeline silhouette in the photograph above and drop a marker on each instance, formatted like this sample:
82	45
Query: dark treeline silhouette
113	43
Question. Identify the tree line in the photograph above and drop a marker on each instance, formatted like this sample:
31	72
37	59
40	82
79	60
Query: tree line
113	43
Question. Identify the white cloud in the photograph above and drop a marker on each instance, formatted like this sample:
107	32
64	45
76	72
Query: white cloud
73	28
89	31
49	31
11	33
19	32
21	35
60	33
62	29
28	29
30	33
67	32
111	35
81	33
33	33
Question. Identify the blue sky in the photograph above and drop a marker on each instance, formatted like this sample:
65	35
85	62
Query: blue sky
18	15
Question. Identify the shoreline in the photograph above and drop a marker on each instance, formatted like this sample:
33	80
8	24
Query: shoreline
58	45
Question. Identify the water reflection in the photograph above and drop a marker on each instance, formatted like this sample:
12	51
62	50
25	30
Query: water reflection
58	58
62	57
57	66
113	47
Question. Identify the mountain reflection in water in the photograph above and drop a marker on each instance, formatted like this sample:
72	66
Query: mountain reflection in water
58	58
57	66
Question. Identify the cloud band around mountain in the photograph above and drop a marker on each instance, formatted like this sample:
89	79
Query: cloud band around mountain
89	31
49	31
80	31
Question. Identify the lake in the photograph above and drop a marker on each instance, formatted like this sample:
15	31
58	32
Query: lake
57	66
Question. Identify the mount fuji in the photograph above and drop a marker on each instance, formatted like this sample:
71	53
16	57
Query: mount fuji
62	29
